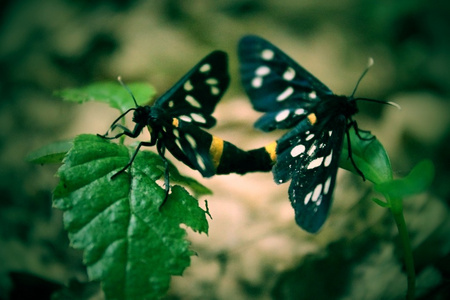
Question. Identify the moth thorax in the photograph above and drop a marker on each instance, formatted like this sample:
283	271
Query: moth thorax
142	114
337	105
156	117
350	108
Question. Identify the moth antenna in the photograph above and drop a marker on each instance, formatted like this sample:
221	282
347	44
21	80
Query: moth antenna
394	105
119	79
369	65
380	101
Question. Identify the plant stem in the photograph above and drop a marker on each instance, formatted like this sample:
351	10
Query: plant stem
397	211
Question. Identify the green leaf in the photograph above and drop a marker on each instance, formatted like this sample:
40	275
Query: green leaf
370	157
129	243
381	202
183	208
415	182
111	93
50	154
194	185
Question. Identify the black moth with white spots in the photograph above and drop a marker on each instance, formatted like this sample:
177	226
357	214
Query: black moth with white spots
174	118
292	98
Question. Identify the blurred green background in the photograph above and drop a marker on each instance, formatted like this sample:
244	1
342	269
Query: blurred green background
254	249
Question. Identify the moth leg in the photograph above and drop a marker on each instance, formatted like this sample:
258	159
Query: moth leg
125	131
358	130
114	125
161	150
350	155
147	144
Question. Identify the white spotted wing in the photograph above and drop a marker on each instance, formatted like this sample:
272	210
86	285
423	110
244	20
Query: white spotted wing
189	144
310	159
276	84
194	97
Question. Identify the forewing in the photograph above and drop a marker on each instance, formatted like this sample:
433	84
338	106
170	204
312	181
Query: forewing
310	159
285	118
275	82
194	97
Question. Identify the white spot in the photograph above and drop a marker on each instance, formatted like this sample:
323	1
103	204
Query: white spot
309	137
176	133
212	81
326	187
312	149
299	111
191	141
327	161
198	118
330	132
188	86
171	103
192	101
200	162
267	54
307	198
262	71
178	144
316	193
297	150
215	90
205	68
284	95
307	132
289	74
315	163
312	95
257	82
185	118
282	115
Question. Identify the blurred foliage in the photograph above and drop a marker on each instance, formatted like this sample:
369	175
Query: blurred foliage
111	93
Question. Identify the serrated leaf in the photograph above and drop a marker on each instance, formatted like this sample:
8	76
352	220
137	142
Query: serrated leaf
370	157
111	93
415	182
129	244
195	218
50	154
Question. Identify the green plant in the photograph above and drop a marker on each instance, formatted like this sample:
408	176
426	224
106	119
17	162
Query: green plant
372	159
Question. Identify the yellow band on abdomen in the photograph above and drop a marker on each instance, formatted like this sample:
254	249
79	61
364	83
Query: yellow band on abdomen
271	149
216	150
